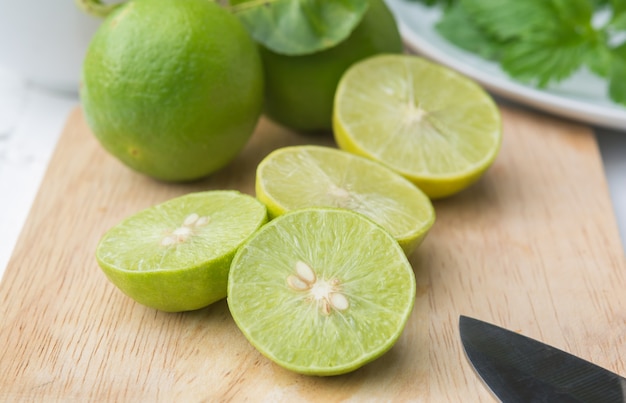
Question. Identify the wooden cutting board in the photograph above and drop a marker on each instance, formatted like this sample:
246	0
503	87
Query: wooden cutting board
533	246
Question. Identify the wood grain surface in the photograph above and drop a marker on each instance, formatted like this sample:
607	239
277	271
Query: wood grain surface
533	246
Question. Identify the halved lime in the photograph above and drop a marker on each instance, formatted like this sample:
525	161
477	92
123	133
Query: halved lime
308	176
175	256
434	126
321	291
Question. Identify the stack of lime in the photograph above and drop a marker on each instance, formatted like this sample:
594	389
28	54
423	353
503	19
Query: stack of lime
325	287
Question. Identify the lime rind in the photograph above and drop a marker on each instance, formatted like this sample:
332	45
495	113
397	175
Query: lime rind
441	129
297	177
175	256
288	327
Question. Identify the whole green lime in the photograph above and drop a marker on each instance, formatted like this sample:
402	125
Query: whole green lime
173	89
300	89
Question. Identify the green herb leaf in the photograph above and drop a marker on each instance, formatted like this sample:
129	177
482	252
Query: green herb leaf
541	61
509	19
547	56
617	81
546	40
297	27
445	3
619	6
543	41
600	59
598	4
618	22
458	27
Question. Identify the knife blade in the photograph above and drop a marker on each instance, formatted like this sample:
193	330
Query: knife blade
519	369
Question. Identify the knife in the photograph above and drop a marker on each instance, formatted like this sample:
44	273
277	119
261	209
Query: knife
519	369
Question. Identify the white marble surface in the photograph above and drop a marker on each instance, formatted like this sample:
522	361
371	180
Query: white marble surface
31	119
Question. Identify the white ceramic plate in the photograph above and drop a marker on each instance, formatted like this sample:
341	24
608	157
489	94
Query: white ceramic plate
582	97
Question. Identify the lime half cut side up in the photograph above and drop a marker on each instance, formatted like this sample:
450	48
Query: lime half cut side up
297	177
175	256
321	291
434	126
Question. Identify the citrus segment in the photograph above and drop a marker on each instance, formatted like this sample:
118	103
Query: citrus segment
432	125
175	256
307	176
321	291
